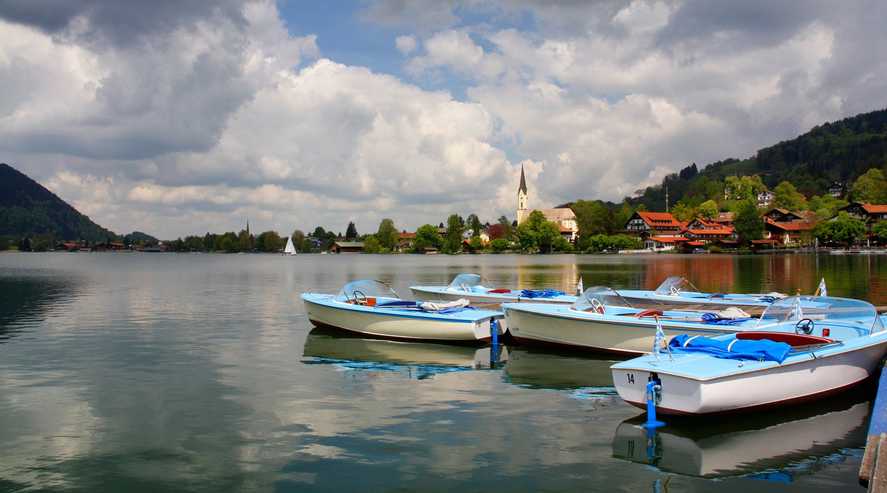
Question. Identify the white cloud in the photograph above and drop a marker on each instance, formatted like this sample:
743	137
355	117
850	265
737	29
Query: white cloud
405	44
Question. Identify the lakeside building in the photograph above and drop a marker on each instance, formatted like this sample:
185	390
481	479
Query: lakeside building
868	213
347	247
564	217
785	227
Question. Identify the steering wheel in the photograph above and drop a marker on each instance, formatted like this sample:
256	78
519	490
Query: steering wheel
597	306
805	325
674	291
359	297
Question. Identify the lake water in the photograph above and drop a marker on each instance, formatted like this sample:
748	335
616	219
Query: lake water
195	372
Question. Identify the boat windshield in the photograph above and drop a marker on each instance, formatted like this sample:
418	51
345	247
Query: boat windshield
599	295
795	308
675	285
465	282
365	288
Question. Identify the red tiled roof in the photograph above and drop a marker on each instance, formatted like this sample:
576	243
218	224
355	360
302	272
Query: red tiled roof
792	225
659	219
407	236
875	208
695	243
725	231
668	239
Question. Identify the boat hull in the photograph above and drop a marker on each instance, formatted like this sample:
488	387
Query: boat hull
596	335
394	326
785	384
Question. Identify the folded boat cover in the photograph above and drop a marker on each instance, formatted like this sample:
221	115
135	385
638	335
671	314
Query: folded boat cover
440	307
540	293
757	350
730	316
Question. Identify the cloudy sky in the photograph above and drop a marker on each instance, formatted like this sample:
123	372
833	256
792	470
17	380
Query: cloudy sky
178	117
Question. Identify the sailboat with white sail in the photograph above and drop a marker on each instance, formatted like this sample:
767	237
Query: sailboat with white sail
290	249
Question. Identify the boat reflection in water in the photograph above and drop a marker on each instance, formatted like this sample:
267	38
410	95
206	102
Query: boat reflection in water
588	376
419	360
774	447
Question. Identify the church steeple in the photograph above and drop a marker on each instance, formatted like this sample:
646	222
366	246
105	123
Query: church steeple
523	181
522	197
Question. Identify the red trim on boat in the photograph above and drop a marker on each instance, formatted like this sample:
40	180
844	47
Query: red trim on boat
787	337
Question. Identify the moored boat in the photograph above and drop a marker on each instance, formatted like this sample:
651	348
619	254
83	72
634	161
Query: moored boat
806	348
372	308
471	288
601	320
679	293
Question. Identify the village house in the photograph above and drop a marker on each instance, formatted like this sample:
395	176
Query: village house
701	232
868	213
785	227
564	217
658	230
347	247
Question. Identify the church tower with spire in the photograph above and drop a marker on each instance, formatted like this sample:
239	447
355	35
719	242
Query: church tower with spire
522	198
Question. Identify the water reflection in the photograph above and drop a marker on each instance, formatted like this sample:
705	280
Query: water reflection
29	296
415	359
535	368
773	446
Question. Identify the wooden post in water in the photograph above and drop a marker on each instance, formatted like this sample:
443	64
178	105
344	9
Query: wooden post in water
873	470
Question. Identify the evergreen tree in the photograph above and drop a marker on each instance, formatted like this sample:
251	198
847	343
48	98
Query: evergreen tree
351	232
453	242
474	224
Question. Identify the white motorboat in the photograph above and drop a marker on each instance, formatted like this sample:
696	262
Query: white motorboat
601	320
372	308
807	348
471	288
679	293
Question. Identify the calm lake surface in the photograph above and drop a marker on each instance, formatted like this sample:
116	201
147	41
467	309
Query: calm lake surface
197	372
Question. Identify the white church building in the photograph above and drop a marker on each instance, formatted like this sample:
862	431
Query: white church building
564	217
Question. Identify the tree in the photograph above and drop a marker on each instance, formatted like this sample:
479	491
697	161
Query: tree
748	223
427	237
371	244
299	242
870	187
842	230
506	225
742	188
537	233
592	217
786	196
708	210
879	232
269	241
683	212
351	232
244	241
825	206
453	242
387	235
474	224
499	245
4	244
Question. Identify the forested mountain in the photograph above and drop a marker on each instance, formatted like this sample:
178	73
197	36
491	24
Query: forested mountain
29	209
831	152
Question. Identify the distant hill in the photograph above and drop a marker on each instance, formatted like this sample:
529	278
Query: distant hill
139	237
831	152
29	209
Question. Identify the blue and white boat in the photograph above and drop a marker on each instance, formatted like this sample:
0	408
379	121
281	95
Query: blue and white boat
806	348
372	308
678	292
602	321
471	288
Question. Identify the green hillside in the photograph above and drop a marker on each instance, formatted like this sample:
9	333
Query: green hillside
28	209
831	152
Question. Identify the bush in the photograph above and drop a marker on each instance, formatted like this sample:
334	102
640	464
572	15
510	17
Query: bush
499	245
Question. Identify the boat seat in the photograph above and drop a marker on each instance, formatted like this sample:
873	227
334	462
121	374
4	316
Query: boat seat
499	291
649	313
793	340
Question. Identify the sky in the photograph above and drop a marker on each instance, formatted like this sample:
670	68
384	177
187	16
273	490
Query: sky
182	117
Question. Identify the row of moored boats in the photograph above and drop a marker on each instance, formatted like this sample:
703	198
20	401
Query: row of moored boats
693	352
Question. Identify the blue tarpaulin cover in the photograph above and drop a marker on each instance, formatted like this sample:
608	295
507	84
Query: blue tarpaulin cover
540	293
732	348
